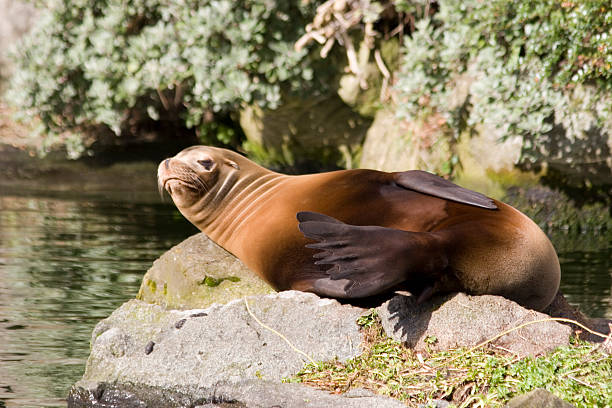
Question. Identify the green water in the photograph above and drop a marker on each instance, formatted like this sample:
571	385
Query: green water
65	263
68	260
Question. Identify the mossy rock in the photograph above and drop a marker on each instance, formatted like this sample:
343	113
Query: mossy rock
197	273
478	161
395	145
321	130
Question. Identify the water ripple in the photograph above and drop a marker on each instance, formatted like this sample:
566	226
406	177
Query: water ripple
65	264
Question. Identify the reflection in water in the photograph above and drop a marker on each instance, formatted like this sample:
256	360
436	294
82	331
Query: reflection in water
64	265
586	270
67	262
587	280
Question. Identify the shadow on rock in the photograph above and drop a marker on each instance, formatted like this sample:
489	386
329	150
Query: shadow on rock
458	320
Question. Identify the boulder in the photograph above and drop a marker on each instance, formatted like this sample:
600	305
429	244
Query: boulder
487	164
165	351
223	351
197	273
460	320
392	144
321	129
575	155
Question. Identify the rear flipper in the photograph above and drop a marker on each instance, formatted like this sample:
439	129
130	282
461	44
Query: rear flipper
370	259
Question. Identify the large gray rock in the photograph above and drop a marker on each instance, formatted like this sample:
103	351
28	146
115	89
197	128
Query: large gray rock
197	273
220	356
460	320
142	350
538	398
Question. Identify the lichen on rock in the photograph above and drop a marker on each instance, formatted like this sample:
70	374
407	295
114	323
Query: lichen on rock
197	273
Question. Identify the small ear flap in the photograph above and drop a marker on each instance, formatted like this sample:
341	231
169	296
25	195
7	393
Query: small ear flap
232	163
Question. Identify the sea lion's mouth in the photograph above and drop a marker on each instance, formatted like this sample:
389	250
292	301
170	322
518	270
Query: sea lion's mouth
175	183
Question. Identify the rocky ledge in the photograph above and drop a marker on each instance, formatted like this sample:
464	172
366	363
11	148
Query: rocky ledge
180	346
225	353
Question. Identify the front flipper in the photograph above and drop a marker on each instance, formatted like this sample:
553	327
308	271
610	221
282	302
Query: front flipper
372	259
428	183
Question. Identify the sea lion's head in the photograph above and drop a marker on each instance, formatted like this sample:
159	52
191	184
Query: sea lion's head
193	173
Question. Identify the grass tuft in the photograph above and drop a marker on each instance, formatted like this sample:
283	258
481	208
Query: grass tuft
486	377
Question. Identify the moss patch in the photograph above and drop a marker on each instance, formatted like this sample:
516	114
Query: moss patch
152	285
197	273
212	282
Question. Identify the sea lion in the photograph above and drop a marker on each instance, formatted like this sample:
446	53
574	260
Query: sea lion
359	233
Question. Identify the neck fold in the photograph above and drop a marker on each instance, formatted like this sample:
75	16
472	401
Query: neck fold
234	198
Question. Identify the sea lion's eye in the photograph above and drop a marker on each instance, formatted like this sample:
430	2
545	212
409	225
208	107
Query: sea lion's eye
206	163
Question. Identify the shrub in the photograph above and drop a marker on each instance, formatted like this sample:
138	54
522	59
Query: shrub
539	70
110	65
